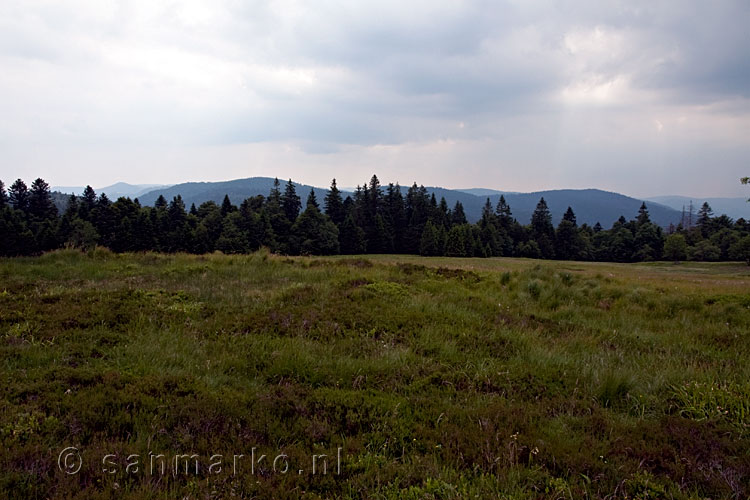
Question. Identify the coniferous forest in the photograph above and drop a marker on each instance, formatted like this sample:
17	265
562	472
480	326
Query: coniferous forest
373	220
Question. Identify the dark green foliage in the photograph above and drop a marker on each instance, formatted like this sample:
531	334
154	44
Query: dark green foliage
18	195
375	220
314	233
290	202
334	205
740	250
675	248
351	237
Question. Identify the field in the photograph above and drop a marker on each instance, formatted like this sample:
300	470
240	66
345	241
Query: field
418	378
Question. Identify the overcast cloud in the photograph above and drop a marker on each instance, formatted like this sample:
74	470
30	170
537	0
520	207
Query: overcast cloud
644	98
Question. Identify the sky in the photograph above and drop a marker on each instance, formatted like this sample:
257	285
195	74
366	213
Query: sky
644	98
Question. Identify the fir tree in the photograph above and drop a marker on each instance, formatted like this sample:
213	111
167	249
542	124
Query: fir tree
226	206
334	205
40	202
458	216
567	239
643	217
3	196
542	230
312	200
88	203
18	195
290	202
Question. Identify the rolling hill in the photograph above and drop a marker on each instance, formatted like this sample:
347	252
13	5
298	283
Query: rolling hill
590	205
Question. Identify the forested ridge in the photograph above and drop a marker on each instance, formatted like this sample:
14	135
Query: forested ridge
374	219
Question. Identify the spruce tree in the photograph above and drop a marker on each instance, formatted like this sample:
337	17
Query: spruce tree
395	216
3	196
18	195
334	205
312	200
88	203
567	239
458	216
542	230
643	217
705	218
40	202
290	202
503	213
226	206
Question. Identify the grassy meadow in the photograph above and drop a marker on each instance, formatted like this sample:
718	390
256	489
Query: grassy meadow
428	377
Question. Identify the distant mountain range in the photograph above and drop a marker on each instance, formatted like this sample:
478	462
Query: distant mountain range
733	207
590	205
115	190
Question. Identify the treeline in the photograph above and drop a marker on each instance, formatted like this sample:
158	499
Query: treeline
373	220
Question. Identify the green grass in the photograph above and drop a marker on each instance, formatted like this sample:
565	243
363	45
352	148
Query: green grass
437	377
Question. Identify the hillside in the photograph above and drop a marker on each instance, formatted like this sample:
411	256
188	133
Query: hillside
733	207
590	205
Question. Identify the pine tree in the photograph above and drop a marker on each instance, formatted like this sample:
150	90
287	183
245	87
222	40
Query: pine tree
274	197
312	200
334	205
226	206
290	202
503	213
705	215
458	216
40	202
542	230
567	239
643	217
18	195
395	216
88	203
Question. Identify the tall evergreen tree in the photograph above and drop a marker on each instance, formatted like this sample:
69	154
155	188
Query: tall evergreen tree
705	215
226	206
3	196
88	203
18	195
395	215
504	214
542	230
458	216
290	202
643	217
567	239
312	199
334	205
40	202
